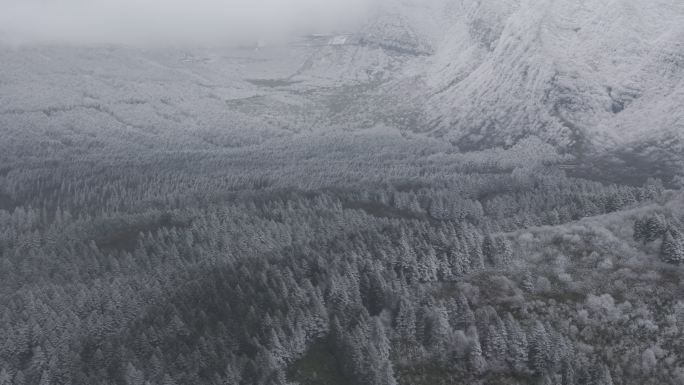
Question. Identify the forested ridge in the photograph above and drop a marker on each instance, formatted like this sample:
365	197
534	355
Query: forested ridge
353	259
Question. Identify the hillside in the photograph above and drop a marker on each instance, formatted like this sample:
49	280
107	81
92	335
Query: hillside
600	80
482	192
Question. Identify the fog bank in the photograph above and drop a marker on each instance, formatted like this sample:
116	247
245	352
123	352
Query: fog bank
143	22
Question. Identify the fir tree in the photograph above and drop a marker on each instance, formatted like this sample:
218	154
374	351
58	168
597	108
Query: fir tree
672	249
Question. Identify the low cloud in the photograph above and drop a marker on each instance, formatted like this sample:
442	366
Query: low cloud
143	22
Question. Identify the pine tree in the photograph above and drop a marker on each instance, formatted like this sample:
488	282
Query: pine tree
168	380
476	361
406	321
489	249
19	378
672	249
528	282
505	255
386	374
466	315
568	374
5	378
540	348
602	376
553	218
439	331
437	209
649	229
38	361
654	187
44	378
496	347
379	339
133	375
640	230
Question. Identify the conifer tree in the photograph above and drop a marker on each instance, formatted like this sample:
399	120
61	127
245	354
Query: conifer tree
672	249
476	361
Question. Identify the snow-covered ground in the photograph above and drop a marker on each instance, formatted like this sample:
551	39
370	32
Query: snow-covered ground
610	70
480	73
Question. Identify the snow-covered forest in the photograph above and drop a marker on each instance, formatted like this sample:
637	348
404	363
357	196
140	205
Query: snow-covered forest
368	258
454	192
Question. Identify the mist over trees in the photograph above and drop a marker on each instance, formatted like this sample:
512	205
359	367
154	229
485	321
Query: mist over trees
377	263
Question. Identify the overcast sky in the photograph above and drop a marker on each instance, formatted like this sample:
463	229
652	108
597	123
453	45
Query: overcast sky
173	21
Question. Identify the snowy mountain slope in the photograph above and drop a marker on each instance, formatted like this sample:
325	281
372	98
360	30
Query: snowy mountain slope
584	75
579	74
599	79
562	70
63	96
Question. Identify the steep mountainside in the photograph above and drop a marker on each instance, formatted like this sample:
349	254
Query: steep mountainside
491	72
598	79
